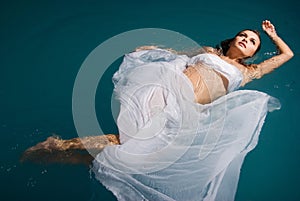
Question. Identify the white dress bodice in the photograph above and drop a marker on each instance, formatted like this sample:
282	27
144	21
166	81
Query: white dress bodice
233	74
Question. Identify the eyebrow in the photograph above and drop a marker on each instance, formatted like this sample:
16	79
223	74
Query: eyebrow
247	36
253	39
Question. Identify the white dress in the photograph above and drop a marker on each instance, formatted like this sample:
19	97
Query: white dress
173	148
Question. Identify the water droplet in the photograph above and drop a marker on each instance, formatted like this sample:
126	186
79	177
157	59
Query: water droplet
31	182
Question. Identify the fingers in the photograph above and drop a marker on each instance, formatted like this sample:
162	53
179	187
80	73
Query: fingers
266	24
269	28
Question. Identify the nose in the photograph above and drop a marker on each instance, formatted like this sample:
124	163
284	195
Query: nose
245	40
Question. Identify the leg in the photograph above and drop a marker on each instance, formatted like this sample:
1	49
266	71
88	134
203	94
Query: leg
72	151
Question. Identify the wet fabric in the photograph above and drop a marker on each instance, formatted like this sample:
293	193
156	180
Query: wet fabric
207	83
172	147
233	75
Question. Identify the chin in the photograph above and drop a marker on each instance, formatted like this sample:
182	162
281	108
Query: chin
241	51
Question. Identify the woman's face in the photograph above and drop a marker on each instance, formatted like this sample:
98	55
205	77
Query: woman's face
245	44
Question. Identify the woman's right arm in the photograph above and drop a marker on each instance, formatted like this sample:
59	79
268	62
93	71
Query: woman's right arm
146	47
204	49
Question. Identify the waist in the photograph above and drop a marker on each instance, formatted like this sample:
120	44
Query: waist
208	84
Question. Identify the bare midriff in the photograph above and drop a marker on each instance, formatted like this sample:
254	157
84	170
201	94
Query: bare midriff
207	83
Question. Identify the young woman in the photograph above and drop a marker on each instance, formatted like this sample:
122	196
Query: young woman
184	127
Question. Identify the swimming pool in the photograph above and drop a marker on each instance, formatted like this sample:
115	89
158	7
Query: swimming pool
44	44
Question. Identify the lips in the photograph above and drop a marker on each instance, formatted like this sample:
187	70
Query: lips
242	44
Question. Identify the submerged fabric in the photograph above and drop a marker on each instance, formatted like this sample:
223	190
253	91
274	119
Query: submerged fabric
173	148
233	75
207	83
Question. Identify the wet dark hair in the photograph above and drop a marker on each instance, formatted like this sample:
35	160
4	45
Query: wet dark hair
225	44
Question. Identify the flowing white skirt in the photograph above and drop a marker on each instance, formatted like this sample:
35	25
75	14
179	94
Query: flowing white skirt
173	148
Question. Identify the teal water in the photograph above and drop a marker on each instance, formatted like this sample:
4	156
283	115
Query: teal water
43	45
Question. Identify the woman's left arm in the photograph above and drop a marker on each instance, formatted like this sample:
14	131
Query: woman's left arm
285	53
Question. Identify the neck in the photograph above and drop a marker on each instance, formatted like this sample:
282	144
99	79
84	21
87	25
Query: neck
233	55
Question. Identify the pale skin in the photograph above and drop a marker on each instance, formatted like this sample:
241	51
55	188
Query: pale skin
243	46
238	51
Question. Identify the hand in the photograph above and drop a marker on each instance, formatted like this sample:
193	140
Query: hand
269	28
